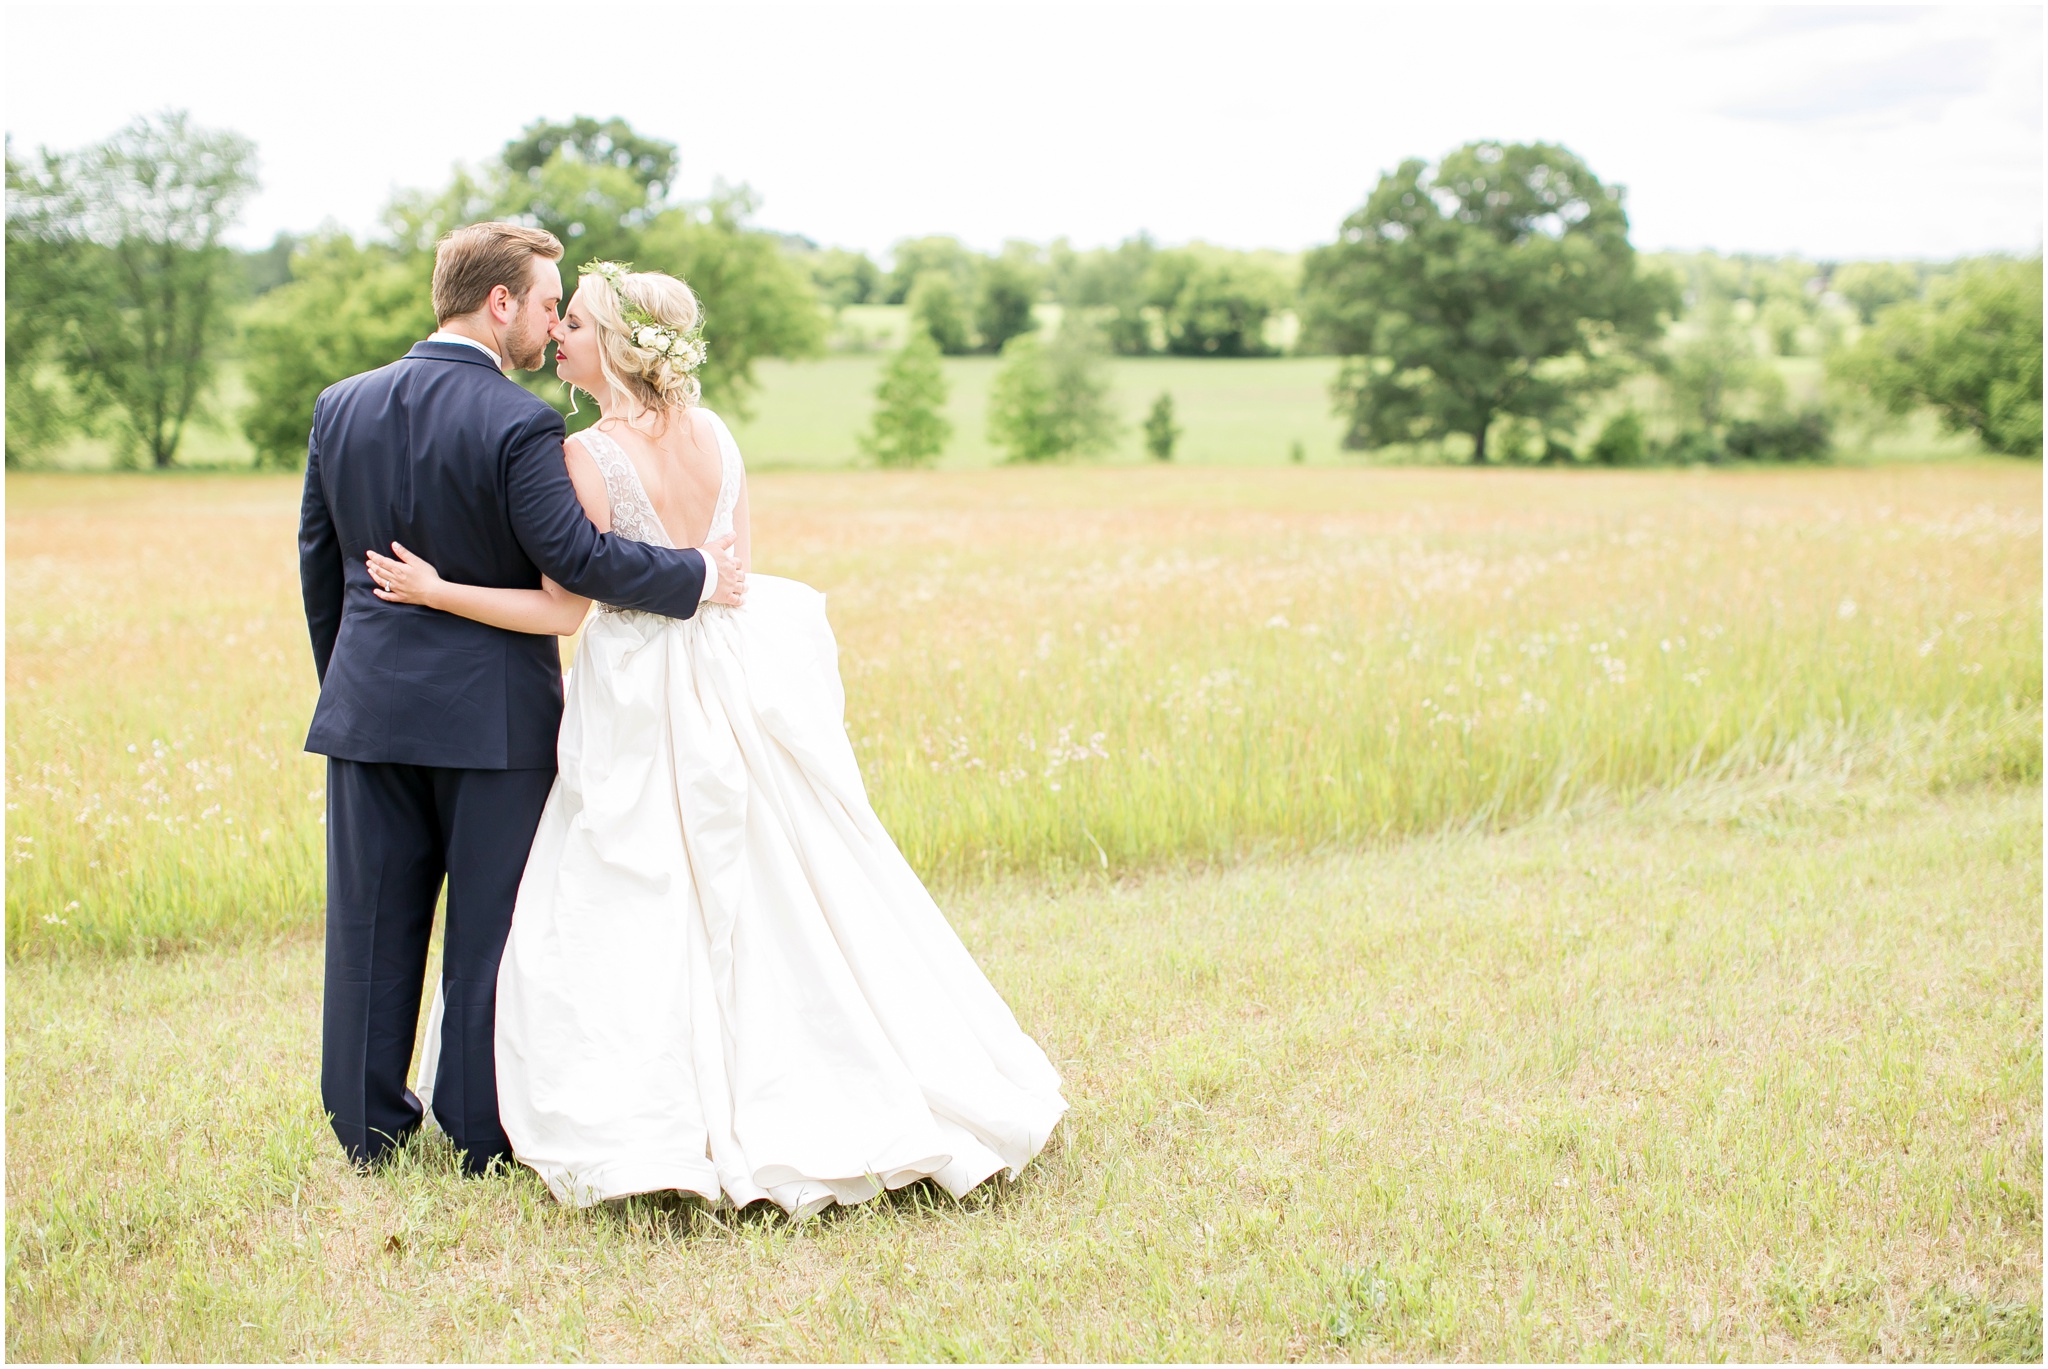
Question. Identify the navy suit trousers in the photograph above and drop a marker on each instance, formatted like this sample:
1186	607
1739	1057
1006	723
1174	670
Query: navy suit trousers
393	833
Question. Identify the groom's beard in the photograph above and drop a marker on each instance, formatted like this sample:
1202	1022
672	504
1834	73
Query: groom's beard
524	351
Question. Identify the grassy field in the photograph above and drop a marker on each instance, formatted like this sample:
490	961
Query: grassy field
1749	1072
1483	914
1238	412
1108	668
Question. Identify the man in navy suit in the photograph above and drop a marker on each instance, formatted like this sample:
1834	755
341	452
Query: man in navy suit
439	731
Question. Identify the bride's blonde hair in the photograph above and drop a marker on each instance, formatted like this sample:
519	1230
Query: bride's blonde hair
653	383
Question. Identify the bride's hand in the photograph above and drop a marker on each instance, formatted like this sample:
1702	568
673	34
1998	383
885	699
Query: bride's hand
408	580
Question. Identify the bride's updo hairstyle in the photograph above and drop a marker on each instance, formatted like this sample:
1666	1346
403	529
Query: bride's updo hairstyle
650	358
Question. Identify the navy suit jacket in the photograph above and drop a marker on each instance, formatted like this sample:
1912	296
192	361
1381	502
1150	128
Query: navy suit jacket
440	451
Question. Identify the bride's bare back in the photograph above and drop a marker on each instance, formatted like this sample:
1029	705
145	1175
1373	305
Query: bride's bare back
679	465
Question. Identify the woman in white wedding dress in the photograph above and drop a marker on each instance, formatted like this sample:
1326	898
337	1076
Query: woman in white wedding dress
722	977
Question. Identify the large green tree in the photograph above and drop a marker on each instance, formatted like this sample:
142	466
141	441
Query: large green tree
1971	351
914	257
758	300
599	187
349	307
1116	283
939	309
1197	300
844	277
39	411
1715	373
131	234
1870	286
1215	304
1498	284
1006	288
650	162
594	184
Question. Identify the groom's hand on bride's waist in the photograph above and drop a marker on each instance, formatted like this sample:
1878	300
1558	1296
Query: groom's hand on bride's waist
725	579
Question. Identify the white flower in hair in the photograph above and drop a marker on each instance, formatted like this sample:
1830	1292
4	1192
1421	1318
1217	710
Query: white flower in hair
686	351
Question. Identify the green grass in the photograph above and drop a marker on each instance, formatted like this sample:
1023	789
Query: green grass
1506	914
1748	1071
1118	669
1235	412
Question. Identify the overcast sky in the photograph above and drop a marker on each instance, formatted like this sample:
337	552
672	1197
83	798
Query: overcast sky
1833	131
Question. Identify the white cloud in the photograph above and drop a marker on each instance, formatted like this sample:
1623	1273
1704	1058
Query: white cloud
1834	131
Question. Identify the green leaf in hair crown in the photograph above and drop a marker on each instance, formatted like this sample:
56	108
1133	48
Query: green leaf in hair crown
685	351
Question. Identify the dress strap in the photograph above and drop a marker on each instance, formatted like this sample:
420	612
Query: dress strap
731	474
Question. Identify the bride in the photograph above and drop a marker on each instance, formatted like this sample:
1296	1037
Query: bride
722	978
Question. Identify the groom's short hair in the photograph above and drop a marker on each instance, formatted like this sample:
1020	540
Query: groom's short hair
472	261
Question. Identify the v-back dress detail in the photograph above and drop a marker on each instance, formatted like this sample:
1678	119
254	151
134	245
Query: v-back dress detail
722	977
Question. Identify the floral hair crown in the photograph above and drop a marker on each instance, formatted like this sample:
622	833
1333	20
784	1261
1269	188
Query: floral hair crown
685	351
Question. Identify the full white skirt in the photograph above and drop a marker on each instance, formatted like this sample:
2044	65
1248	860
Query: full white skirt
722	976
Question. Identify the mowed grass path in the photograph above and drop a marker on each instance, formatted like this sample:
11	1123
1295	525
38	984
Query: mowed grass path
1749	1072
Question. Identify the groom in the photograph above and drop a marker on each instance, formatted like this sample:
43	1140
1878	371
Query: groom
440	732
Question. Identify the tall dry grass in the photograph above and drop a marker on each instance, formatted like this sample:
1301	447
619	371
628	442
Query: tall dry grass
1106	668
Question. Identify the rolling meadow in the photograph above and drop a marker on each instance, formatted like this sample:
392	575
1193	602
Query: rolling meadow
1478	914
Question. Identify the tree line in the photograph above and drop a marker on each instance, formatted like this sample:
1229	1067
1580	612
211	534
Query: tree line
96	341
1482	304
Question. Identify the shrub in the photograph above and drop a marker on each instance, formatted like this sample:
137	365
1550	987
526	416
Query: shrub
1621	441
1790	437
937	307
1692	447
1160	430
1005	290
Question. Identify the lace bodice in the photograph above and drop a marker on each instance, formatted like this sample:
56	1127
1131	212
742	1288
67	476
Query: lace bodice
633	515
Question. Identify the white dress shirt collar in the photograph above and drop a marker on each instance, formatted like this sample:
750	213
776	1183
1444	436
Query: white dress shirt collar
439	336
